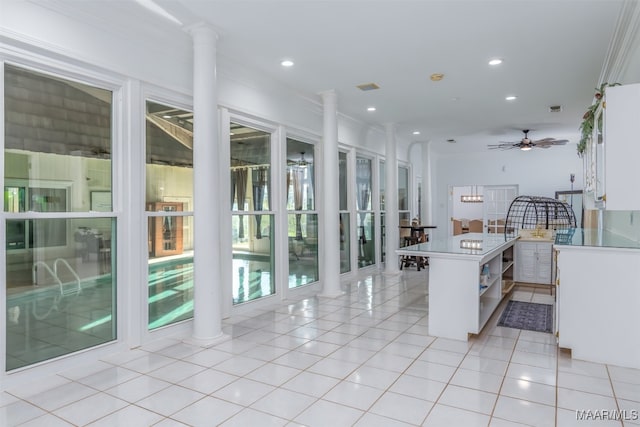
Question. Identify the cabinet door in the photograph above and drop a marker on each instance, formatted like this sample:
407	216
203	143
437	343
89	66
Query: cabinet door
525	262
544	258
622	147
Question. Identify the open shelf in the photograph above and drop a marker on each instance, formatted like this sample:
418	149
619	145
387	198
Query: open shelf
506	265
493	279
487	307
507	286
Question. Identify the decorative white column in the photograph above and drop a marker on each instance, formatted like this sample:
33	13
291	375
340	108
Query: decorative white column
330	243
427	183
207	318
392	233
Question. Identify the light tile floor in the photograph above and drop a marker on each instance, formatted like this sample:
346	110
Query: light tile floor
363	359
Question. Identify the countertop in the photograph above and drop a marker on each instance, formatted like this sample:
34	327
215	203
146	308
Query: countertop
452	245
591	237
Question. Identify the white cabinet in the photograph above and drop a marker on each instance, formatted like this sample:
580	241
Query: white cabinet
534	262
597	300
459	302
621	147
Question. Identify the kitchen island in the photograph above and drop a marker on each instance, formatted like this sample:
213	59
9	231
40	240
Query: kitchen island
462	296
598	296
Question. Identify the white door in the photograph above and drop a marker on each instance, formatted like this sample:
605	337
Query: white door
497	199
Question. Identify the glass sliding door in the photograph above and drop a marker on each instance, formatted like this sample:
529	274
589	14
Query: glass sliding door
302	233
345	217
60	226
365	215
168	202
252	220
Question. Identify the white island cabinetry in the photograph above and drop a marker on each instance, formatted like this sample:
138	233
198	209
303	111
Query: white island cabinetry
534	260
598	298
461	301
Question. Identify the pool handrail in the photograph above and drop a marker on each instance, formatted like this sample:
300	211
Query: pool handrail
70	291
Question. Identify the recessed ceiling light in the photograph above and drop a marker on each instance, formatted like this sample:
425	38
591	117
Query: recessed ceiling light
166	116
416	132
436	77
371	108
287	63
511	98
495	61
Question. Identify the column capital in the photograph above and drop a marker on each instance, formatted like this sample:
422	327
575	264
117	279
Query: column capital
390	128
203	30
329	94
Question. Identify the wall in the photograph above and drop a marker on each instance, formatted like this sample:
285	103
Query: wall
539	172
626	223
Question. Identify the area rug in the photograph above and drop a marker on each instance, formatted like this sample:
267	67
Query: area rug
527	315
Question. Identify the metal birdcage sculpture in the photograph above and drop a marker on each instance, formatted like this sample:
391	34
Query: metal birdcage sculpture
534	212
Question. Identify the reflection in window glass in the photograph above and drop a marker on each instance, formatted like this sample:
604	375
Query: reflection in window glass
365	216
169	196
60	300
302	224
383	184
253	267
403	188
303	249
57	140
363	184
342	179
251	231
345	224
60	286
382	236
366	244
345	243
170	273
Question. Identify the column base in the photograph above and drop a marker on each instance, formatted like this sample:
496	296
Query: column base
392	273
207	342
331	295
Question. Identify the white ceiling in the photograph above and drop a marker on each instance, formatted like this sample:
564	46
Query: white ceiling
554	52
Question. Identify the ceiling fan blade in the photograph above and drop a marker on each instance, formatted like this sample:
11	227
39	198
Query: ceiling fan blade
544	140
550	142
501	146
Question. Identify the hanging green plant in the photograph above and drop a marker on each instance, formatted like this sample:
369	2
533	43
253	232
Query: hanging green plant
588	119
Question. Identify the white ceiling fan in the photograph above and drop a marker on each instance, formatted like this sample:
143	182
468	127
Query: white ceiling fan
527	144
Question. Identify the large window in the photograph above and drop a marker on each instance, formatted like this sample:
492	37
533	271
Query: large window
169	201
252	219
60	226
302	218
365	215
403	192
345	218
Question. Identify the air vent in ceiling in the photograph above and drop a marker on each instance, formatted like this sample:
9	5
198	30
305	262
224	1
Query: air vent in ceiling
555	108
368	86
